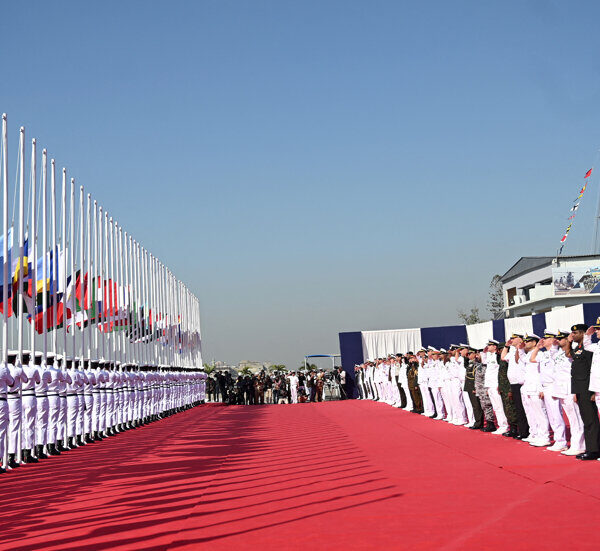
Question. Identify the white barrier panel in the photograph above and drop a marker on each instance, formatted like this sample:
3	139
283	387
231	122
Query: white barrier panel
563	318
377	344
480	333
518	325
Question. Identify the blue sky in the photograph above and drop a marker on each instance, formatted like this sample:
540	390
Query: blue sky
314	167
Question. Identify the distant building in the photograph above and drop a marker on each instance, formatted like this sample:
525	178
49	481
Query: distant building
536	284
255	367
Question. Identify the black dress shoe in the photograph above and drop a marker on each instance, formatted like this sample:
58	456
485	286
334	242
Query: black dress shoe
12	463
2	471
39	452
490	427
588	456
521	436
476	427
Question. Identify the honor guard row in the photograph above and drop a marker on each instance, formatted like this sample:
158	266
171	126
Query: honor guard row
49	407
523	389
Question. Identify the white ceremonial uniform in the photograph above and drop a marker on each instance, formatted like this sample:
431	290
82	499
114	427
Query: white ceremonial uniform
29	405
83	380
294	388
423	380
561	389
42	406
466	401
552	403
435	374
97	402
63	432
88	398
490	382
54	386
103	413
73	401
530	392
15	408
6	380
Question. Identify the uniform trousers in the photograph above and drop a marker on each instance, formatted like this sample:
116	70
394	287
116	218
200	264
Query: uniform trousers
428	405
72	411
53	416
41	421
102	411
447	400
80	413
96	411
294	394
458	405
536	416
403	379
591	424
522	424
89	410
557	422
110	404
470	408
3	425
439	402
575	423
29	413
476	410
15	411
496	400
62	420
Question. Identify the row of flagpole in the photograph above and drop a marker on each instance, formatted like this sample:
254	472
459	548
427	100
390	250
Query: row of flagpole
110	298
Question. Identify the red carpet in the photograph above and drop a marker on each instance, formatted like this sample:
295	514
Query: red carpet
354	475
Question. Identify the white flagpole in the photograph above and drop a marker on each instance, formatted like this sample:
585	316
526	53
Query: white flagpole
81	272
101	271
128	326
33	246
111	278
120	290
106	336
73	274
97	280
44	191
90	280
151	274
66	251
55	256
5	266
19	292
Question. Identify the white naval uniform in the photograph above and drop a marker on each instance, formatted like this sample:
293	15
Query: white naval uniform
63	385
294	388
42	406
29	405
530	393
15	408
6	380
73	401
552	403
423	380
561	389
89	399
490	382
57	377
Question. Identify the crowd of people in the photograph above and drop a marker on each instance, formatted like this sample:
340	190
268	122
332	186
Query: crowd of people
276	388
541	390
51	407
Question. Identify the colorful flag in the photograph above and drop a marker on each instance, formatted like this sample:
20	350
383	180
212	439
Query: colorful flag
588	173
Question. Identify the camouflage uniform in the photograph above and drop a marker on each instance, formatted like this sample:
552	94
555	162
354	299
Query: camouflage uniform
504	389
412	373
481	391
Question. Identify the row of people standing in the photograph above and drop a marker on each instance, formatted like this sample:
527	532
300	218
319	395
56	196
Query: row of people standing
49	406
523	389
263	388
